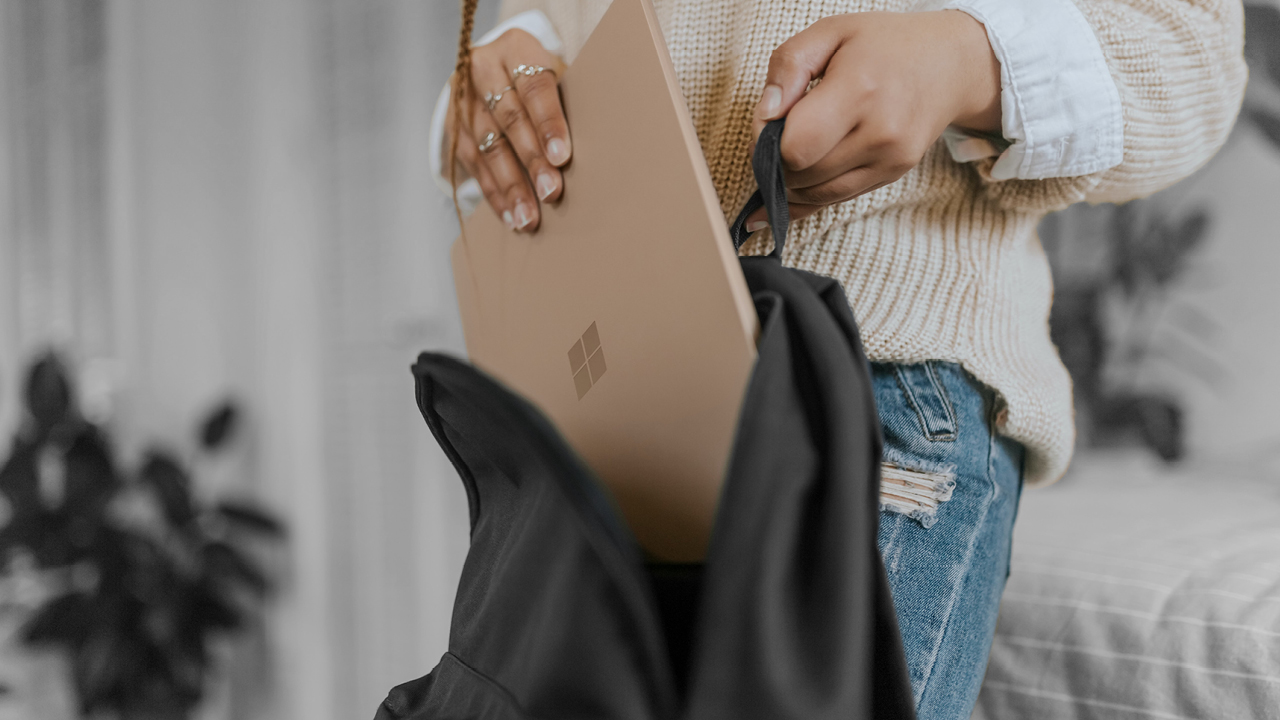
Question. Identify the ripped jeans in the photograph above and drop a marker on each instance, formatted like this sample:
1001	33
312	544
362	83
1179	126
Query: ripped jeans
949	493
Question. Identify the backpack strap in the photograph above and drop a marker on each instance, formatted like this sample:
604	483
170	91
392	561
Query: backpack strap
772	192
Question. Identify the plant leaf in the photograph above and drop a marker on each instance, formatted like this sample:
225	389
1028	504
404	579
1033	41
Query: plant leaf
48	393
1075	326
188	665
1128	237
1262	38
1172	251
98	668
250	518
20	481
209	610
1160	422
1267	123
219	425
172	485
91	477
64	620
225	565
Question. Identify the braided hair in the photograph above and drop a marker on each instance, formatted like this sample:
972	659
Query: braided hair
461	91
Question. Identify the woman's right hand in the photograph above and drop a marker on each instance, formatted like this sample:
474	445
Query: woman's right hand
522	165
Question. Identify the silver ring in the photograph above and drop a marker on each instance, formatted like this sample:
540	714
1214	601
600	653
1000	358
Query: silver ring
526	70
489	141
491	99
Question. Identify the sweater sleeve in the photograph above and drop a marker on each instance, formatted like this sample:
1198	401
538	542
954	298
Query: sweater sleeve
573	20
1179	68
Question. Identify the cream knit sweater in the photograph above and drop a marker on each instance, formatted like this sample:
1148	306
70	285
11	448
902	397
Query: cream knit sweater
944	264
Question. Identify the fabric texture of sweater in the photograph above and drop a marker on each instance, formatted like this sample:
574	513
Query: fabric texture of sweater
945	264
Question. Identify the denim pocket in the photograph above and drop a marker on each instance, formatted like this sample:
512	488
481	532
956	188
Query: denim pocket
928	396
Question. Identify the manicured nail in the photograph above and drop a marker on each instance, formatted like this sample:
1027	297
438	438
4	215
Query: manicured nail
770	101
523	216
557	151
757	225
546	186
506	218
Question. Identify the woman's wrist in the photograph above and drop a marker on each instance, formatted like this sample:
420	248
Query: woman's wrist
978	81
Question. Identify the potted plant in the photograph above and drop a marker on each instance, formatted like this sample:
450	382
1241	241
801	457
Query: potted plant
139	575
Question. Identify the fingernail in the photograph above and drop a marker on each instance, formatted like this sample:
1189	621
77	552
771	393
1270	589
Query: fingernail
557	151
523	216
506	218
757	225
770	101
546	186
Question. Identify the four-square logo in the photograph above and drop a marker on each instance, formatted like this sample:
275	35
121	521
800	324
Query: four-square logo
586	360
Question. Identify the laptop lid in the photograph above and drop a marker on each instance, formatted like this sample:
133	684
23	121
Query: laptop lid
625	318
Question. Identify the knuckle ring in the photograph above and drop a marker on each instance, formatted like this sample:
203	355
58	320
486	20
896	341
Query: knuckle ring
526	70
488	143
491	99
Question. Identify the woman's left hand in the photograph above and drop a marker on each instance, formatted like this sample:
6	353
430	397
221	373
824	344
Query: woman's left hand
891	83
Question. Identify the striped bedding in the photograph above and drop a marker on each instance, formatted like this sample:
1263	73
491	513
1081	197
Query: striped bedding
1140	592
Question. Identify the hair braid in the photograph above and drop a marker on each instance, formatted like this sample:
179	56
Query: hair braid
461	93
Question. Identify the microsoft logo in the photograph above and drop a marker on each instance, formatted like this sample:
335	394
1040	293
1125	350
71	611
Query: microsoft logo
586	360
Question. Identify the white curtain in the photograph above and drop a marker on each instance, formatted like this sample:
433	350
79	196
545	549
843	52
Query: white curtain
201	198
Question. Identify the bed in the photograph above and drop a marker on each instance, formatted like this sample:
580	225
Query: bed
1140	590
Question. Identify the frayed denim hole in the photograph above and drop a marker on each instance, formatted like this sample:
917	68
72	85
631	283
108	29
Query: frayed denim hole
915	488
893	456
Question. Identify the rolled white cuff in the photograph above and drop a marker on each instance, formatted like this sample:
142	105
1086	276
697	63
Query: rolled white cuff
536	24
1060	108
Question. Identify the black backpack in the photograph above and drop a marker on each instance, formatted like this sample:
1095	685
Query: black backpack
558	616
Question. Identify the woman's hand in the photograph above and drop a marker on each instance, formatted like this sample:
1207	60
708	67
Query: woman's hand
530	140
891	83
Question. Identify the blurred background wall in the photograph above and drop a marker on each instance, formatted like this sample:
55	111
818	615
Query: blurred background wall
201	199
207	198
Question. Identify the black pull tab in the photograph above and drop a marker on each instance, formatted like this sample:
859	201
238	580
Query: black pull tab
772	195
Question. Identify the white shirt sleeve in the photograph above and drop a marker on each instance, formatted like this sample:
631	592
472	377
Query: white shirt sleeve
1060	108
536	24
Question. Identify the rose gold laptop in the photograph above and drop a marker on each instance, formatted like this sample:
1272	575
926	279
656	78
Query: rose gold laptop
625	318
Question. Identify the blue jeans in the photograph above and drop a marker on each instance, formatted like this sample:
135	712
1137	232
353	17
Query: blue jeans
949	494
